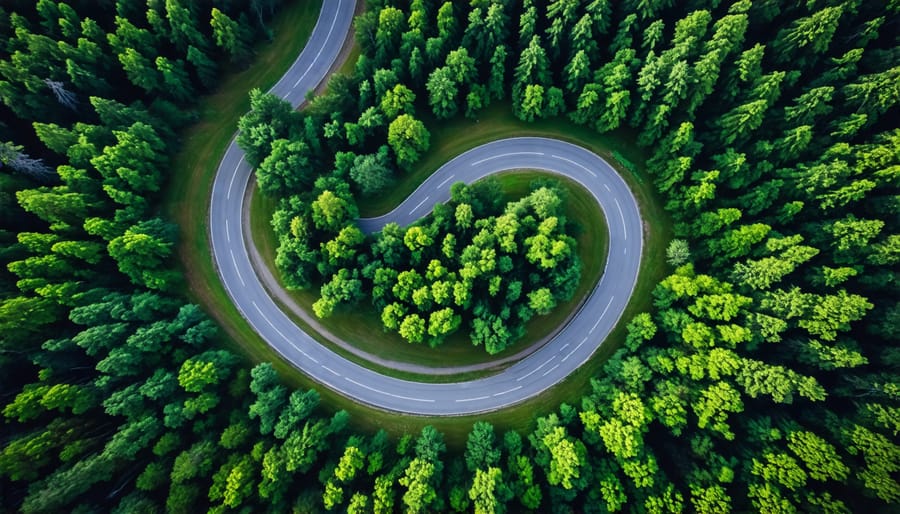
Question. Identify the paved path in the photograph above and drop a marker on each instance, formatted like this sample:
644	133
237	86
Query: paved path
572	346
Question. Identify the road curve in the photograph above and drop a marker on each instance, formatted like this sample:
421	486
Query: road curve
572	346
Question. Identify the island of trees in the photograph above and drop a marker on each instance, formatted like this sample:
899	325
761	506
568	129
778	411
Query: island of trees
763	377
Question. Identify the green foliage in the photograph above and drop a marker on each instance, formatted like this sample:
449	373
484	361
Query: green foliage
481	450
270	397
270	119
230	35
763	378
142	254
197	373
331	210
434	297
372	173
286	169
678	252
408	138
420	494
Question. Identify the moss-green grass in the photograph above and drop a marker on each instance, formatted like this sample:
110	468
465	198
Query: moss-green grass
361	327
187	202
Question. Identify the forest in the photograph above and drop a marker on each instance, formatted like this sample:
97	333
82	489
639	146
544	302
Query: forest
764	377
422	279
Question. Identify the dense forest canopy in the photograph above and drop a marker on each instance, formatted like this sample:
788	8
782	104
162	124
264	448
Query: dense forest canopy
764	378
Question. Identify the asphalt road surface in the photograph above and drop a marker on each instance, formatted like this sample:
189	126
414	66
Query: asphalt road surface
572	346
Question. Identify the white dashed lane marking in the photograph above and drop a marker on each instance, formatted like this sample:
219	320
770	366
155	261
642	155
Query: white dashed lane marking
575	350
476	163
280	333
417	206
237	269
319	54
472	399
535	370
550	370
570	161
507	391
445	181
625	230
234	176
364	386
611	298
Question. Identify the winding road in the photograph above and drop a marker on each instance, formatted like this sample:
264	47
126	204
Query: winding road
569	349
